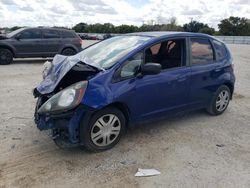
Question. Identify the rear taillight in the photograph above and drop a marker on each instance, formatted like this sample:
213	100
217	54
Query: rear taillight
81	41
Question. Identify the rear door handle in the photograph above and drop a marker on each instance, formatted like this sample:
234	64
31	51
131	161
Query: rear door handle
218	69
181	78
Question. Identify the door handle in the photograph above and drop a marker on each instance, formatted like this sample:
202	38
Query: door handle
181	78
217	70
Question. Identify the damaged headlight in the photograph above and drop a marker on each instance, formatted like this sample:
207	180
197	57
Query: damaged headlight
66	99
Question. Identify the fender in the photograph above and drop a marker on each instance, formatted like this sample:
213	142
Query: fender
98	93
7	46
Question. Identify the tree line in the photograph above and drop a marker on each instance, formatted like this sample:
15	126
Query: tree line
232	26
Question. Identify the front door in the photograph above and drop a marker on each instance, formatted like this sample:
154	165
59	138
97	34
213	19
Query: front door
169	90
28	43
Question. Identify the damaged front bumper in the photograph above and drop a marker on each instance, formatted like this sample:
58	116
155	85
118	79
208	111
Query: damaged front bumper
66	126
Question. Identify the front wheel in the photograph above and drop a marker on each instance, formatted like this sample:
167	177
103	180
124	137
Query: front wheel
6	56
220	101
104	129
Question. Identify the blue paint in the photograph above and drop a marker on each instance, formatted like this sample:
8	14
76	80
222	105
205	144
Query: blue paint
153	96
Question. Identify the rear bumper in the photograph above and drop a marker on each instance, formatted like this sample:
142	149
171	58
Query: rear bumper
67	125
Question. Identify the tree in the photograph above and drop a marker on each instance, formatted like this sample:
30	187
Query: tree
126	29
171	26
80	28
234	26
194	26
15	28
207	30
173	21
108	28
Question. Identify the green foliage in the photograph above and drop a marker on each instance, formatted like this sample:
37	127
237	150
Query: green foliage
110	28
126	29
14	28
195	26
234	26
207	30
80	27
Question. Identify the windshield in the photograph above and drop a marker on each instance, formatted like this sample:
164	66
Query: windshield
11	34
106	53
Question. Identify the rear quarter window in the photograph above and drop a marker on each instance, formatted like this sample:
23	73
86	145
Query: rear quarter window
50	34
220	50
201	51
68	34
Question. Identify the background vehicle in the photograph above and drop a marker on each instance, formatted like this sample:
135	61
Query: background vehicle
130	79
38	42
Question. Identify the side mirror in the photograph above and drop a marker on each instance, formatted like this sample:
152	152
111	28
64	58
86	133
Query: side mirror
150	68
17	37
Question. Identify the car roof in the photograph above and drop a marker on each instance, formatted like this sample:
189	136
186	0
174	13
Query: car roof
51	28
157	34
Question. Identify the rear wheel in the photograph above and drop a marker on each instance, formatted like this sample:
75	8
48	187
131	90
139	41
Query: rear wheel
6	56
220	101
68	52
104	129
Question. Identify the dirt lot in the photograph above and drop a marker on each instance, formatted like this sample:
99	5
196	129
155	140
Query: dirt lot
183	149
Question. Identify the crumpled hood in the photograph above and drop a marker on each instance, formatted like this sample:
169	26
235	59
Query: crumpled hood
60	66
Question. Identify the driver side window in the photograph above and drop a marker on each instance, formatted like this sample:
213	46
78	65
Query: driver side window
131	66
30	34
170	53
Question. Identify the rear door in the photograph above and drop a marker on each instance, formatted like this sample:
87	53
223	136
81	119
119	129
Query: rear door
71	39
52	41
28	43
205	71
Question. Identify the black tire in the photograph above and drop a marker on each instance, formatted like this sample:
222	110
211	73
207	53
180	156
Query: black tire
6	56
68	52
213	108
38	105
88	129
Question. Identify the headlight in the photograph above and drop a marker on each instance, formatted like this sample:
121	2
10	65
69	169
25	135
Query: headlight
66	99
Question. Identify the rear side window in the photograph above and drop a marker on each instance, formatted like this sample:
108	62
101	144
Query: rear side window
201	51
68	34
50	34
220	50
30	34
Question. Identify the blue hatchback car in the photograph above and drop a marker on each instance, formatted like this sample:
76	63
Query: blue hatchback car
92	97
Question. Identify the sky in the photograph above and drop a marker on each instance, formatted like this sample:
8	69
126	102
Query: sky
133	12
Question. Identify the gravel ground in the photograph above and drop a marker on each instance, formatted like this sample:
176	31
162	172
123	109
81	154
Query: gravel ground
192	150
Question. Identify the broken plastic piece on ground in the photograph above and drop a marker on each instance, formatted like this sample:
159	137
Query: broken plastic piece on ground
146	172
220	145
